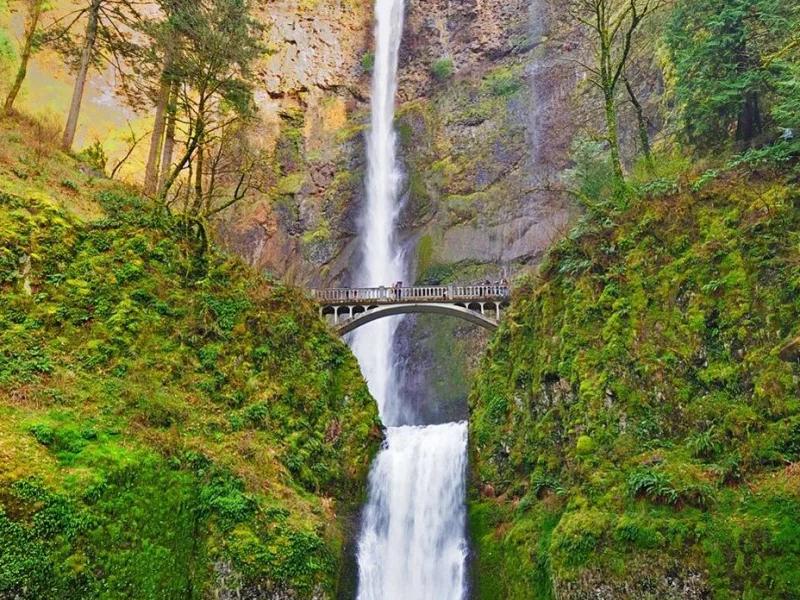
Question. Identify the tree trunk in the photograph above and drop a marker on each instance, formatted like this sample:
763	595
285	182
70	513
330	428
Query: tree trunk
644	136
201	140
169	136
156	138
80	78
198	181
31	24
612	130
750	123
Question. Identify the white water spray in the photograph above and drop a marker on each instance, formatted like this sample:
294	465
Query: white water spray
412	544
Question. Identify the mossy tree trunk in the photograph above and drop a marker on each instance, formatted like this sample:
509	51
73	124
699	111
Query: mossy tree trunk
612	134
35	9
644	136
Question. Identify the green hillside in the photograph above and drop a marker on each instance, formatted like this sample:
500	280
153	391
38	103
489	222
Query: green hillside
635	432
170	427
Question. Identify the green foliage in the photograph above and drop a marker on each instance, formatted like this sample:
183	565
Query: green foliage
368	62
502	82
736	72
7	54
651	417
592	178
653	484
95	156
169	423
443	68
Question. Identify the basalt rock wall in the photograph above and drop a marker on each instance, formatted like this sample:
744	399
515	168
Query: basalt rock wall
484	103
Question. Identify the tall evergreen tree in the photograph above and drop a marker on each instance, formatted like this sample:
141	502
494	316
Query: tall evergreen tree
219	40
736	67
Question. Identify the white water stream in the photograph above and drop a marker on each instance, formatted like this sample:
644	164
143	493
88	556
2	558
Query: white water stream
412	544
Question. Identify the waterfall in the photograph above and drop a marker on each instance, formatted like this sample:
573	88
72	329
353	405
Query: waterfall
412	544
382	256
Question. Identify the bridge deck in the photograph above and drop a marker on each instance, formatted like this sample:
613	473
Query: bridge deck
417	295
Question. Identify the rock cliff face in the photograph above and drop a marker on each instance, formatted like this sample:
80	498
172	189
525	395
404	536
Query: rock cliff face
482	136
312	98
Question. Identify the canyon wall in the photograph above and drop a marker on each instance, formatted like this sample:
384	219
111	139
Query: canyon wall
483	114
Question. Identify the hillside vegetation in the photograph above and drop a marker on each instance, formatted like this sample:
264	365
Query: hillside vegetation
171	426
635	433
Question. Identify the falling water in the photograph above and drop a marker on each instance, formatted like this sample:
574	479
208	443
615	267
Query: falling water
382	256
412	544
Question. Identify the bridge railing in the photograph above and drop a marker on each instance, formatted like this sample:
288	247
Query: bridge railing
393	295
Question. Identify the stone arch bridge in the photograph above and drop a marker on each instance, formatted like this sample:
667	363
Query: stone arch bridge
347	309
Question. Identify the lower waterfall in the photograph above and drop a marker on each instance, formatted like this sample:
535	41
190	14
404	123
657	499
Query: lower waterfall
413	544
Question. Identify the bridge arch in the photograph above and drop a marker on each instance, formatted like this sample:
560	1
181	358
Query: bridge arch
347	309
451	310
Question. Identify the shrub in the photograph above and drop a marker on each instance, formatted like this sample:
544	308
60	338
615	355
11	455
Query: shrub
502	82
69	184
95	156
45	130
443	68
368	62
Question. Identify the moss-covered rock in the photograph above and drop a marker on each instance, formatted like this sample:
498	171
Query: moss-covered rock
634	429
168	429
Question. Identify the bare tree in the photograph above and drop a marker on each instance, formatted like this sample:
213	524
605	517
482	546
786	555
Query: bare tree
612	26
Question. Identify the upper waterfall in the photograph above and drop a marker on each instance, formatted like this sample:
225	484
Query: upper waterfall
382	257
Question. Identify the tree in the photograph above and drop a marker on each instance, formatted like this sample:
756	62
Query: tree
782	60
169	136
612	26
106	41
34	9
641	124
735	62
210	99
219	42
162	54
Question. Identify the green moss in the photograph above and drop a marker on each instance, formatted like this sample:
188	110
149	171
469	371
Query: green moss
165	433
424	253
585	445
291	184
443	68
649	400
503	81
